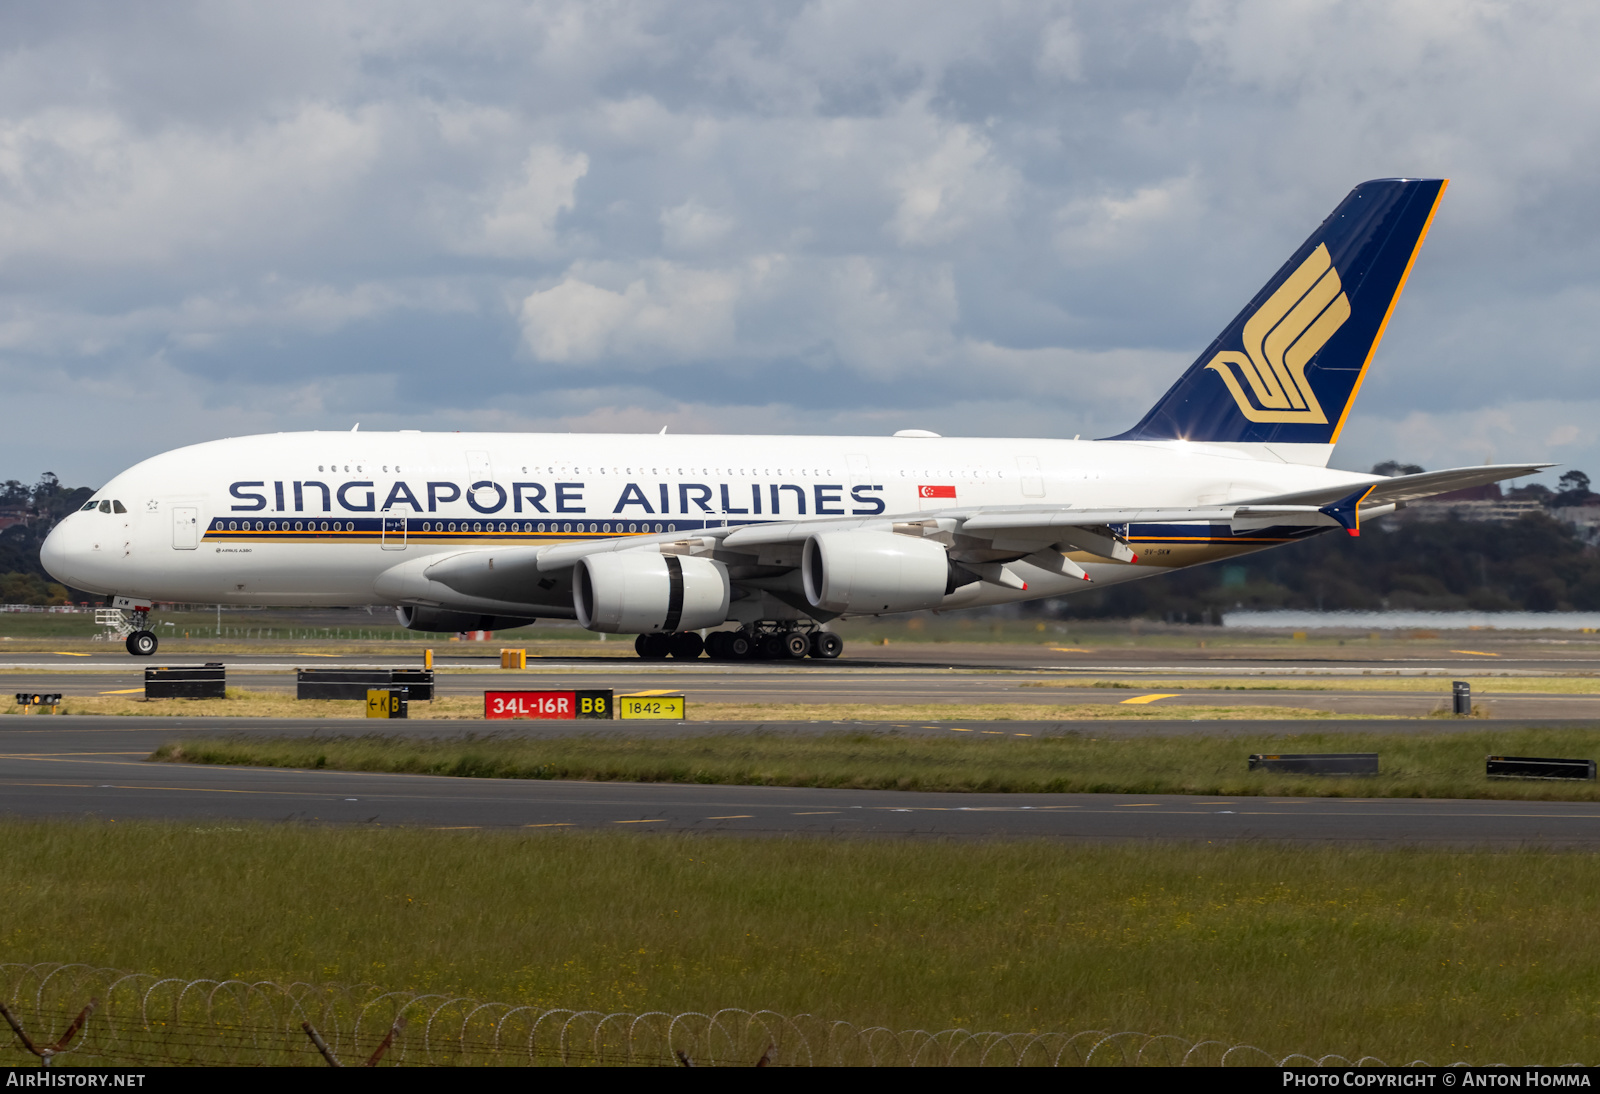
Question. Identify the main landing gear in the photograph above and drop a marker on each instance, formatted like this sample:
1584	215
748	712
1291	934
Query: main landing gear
763	641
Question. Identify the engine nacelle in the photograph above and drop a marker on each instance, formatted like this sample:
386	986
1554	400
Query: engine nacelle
642	592
437	619
874	572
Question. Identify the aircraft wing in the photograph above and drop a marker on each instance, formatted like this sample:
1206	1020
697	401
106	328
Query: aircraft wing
981	537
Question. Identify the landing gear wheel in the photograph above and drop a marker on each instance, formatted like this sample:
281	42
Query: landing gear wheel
141	643
719	646
795	645
686	645
652	647
825	645
739	647
771	648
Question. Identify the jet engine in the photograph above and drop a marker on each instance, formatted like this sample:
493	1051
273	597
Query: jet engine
642	592
874	572
437	619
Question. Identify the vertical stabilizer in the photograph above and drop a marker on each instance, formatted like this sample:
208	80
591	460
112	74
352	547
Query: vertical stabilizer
1288	367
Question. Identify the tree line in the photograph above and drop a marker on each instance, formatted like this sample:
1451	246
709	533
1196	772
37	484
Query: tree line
37	509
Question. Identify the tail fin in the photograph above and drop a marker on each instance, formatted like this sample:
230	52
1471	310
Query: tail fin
1288	367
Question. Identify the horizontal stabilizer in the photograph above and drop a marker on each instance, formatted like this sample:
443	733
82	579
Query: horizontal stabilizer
1404	488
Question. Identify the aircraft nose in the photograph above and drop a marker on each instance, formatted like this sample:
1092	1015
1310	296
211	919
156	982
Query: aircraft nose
55	554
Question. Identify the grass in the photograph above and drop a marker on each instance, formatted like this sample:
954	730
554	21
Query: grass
1430	765
1400	954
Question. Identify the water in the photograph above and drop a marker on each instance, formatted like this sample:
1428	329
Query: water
1401	620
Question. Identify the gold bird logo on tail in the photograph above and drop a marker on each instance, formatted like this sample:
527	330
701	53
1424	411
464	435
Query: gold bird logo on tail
1281	339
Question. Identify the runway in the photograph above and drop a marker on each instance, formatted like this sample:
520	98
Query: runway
94	768
1333	679
1224	654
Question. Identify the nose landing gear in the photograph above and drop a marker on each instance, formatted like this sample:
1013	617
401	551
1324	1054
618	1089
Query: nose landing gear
137	637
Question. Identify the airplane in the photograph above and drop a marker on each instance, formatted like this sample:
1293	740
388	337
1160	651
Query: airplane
664	537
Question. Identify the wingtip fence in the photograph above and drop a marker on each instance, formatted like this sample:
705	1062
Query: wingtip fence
134	1019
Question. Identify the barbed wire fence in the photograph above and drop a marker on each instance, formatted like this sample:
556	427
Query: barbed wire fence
81	1014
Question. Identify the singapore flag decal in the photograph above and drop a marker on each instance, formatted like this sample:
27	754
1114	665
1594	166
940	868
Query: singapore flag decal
936	492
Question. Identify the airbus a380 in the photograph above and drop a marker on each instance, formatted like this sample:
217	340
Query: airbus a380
665	536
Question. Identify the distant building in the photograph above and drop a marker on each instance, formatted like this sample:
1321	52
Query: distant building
1503	511
1488	505
1476	503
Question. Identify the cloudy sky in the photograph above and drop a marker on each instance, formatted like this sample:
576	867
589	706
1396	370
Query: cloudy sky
832	217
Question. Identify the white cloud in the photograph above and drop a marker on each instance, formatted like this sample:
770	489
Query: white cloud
1092	227
1514	431
1061	51
1012	218
522	219
943	192
668	313
87	188
694	227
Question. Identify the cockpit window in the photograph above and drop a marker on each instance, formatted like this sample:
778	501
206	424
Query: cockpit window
88	505
105	507
117	507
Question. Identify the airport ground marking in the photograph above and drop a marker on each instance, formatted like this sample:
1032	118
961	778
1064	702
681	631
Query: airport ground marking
552	824
1141	699
647	820
1476	653
69	653
735	816
190	789
124	691
65	755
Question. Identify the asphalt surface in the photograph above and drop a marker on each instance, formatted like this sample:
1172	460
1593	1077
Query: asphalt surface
1475	652
1312	678
956	689
95	768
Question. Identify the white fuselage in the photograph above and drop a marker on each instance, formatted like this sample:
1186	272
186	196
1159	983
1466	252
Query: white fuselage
314	518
